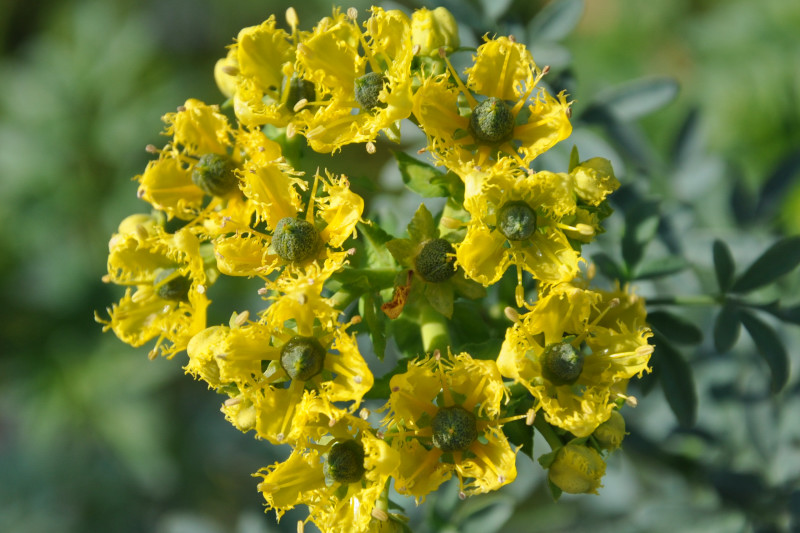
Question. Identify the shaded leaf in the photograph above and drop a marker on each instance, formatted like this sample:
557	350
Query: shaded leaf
422	178
608	267
777	184
641	224
555	21
376	322
675	328
723	265
770	347
779	259
518	432
676	381
665	266
726	327
641	97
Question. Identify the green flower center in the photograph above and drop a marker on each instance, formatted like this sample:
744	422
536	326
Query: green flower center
175	289
296	89
435	262
302	357
454	429
214	174
367	89
492	121
345	463
561	363
516	221
295	239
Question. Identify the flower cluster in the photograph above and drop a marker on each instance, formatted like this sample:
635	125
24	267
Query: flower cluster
228	199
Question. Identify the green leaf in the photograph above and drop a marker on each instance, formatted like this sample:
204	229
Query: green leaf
675	328
723	265
770	347
374	239
659	268
608	267
555	21
779	259
440	296
376	322
727	327
676	381
361	280
641	224
422	178
641	97
422	226
574	158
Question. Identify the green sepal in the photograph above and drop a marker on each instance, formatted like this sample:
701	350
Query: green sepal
403	250
547	459
574	158
422	226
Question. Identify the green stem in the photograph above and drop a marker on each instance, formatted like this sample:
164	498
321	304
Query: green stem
433	326
547	432
698	300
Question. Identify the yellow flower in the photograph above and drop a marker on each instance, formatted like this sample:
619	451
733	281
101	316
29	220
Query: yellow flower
517	218
434	29
273	366
169	276
575	352
509	112
354	105
273	190
577	469
444	416
202	159
339	476
260	74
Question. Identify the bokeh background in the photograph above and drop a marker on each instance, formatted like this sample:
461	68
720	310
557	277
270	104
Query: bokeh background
94	437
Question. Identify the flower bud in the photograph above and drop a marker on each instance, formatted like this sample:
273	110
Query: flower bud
594	180
431	30
610	433
577	469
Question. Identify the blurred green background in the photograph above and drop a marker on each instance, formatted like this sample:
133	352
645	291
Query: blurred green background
94	437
